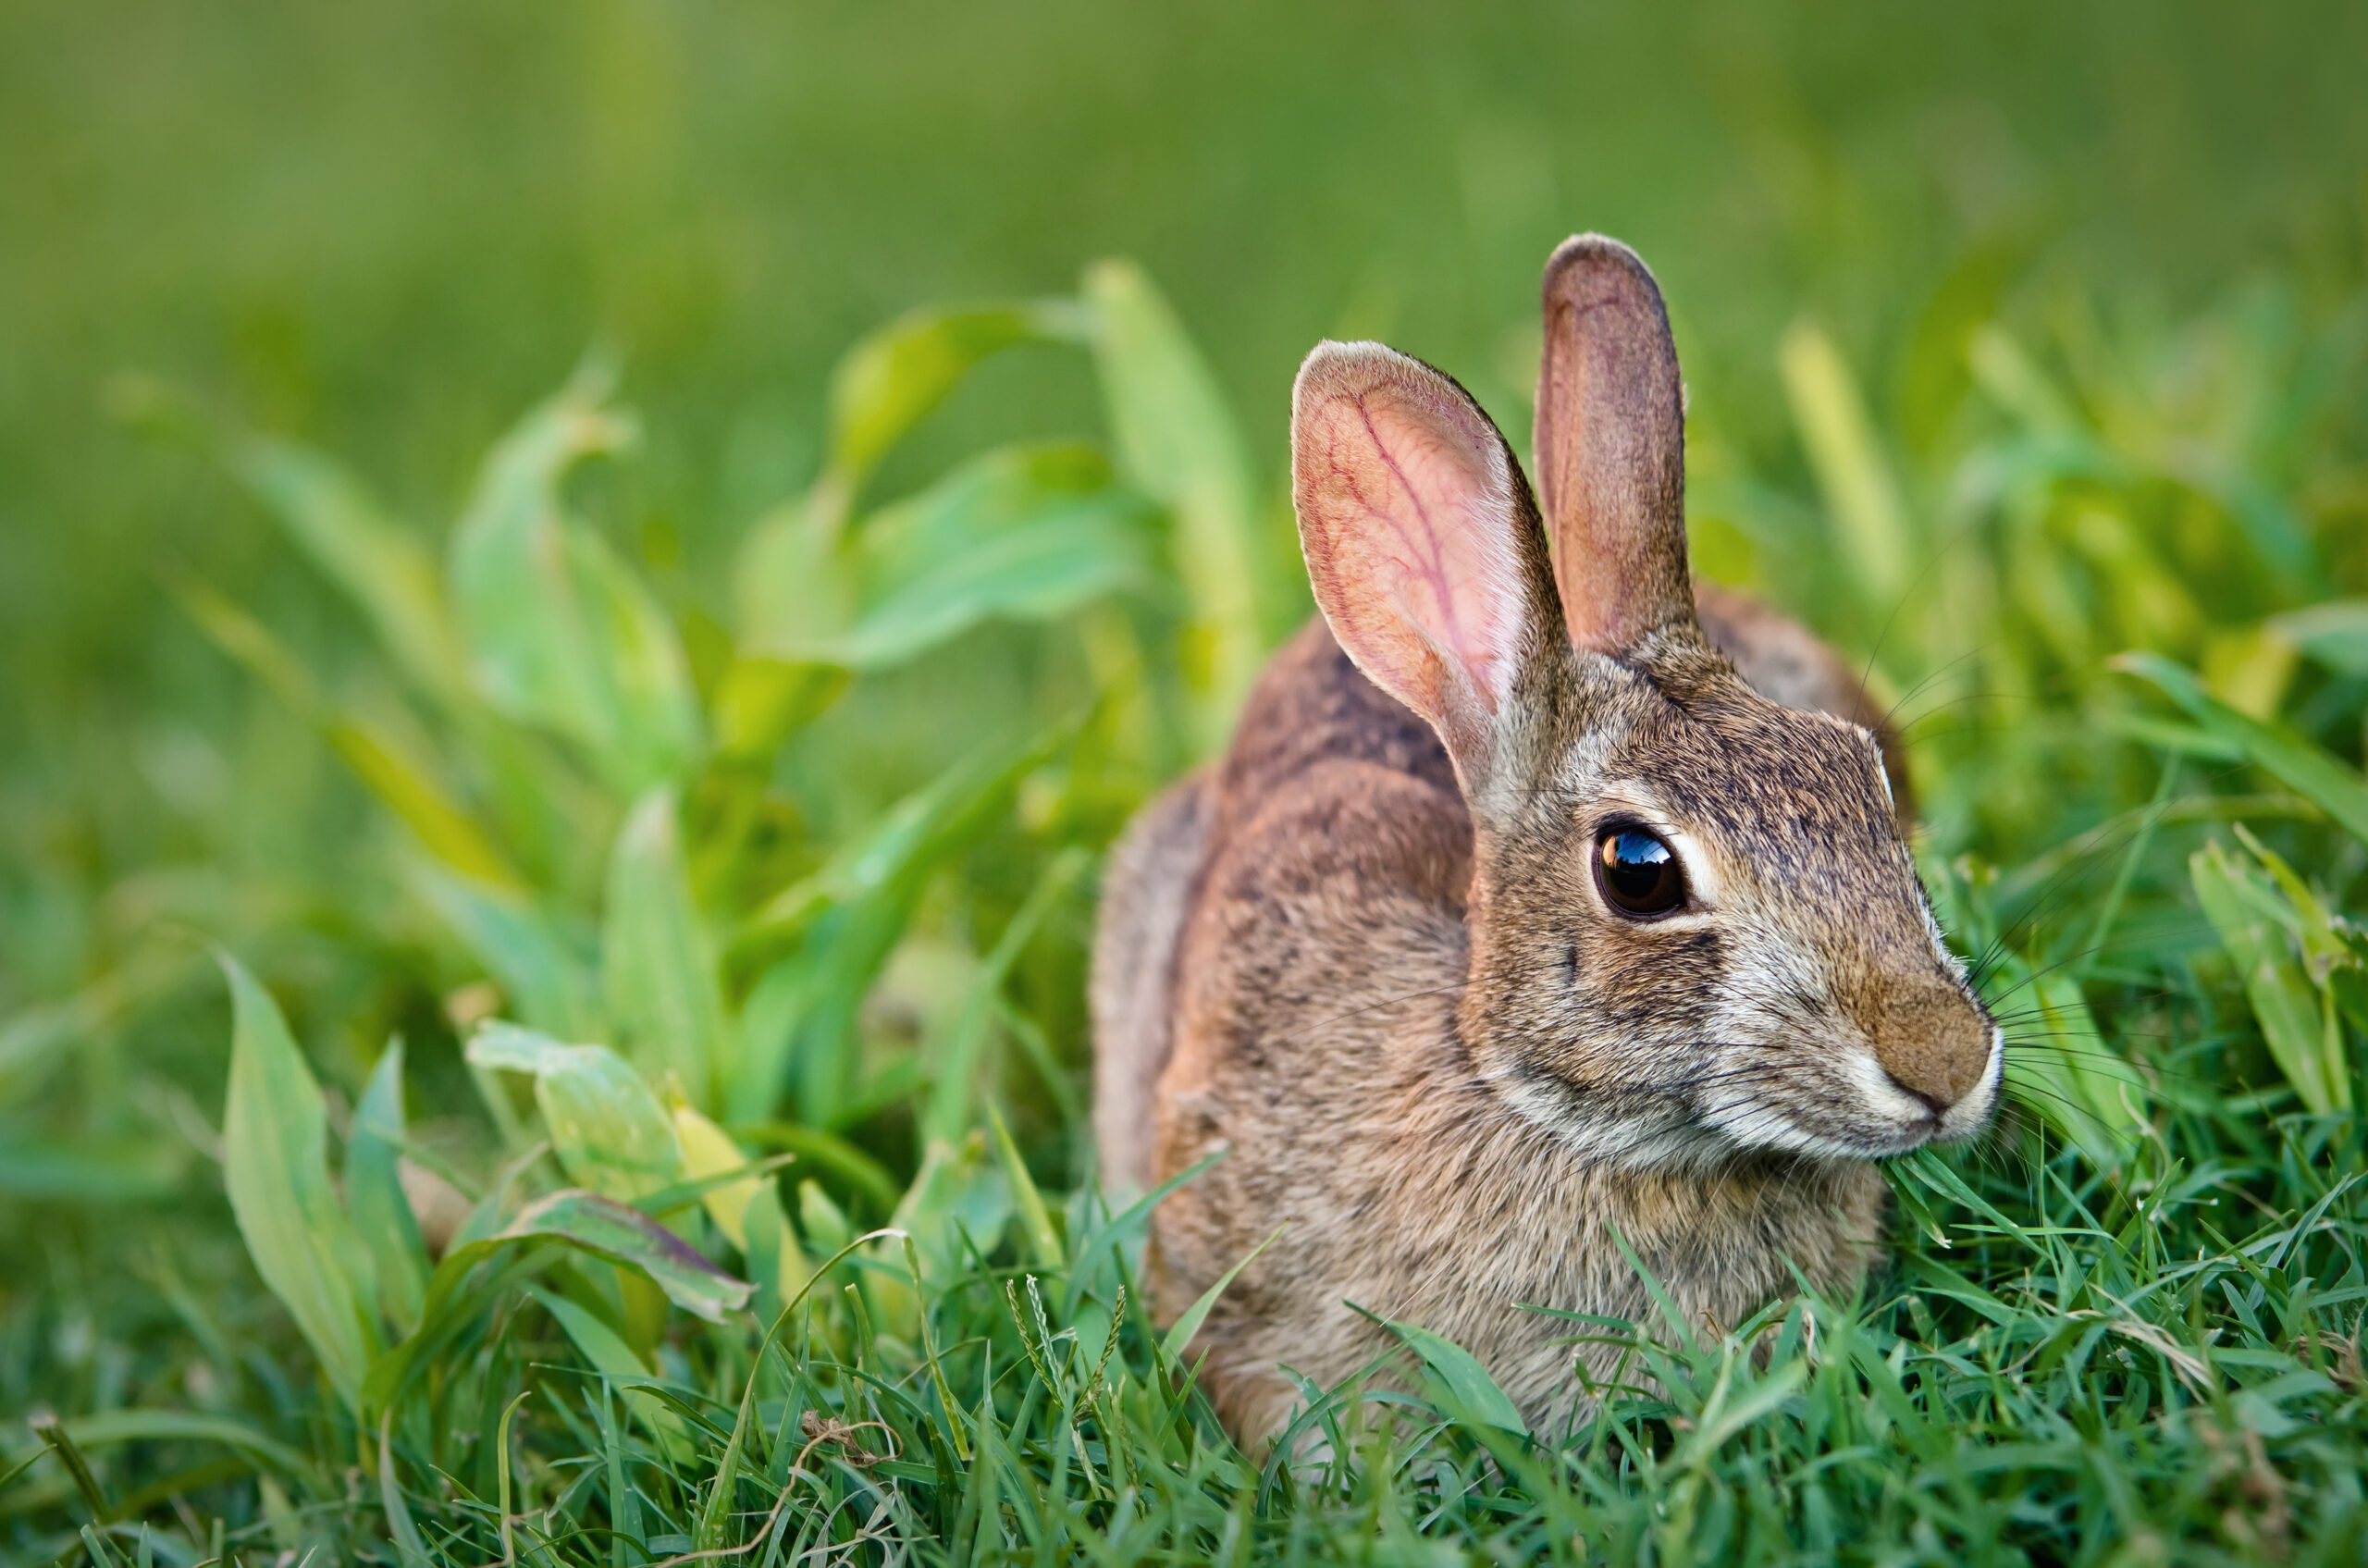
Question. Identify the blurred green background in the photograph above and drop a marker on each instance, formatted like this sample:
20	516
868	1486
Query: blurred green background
2016	336
386	229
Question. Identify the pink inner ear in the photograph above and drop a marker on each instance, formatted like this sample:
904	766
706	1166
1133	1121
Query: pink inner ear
1406	512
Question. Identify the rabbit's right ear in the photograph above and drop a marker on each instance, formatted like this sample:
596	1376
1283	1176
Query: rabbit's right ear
1422	545
1610	446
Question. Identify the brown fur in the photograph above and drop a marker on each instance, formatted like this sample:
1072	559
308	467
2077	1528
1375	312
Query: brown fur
1365	955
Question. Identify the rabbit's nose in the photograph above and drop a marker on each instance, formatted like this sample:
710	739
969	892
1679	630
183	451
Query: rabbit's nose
1934	1042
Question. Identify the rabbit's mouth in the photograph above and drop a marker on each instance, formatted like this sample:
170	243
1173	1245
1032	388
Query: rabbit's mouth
1819	1103
1857	1109
1913	1117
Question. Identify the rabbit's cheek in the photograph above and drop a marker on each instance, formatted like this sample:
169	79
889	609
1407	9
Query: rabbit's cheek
1799	1106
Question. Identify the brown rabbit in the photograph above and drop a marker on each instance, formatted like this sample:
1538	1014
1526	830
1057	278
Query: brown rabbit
1515	917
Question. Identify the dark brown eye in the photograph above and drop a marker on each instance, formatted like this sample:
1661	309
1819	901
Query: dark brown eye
1637	871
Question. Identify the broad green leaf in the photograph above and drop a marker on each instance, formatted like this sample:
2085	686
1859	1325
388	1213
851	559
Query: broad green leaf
540	975
1025	534
609	1353
275	1165
132	1424
1846	456
560	631
793	584
1473	1393
951	1101
1177	442
658	707
2298	1024
383	566
2294	761
827	1227
1179	1333
608	1129
1044	1239
2333	633
774	1265
2324	944
892	378
479	1273
2060	1067
656	961
849	917
2349	987
625	1235
374	1192
789	584
763	701
961	1189
708	1150
404	783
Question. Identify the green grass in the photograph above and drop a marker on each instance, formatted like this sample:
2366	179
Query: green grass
770	743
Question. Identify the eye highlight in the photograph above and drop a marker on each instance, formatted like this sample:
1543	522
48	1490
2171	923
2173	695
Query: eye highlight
1636	872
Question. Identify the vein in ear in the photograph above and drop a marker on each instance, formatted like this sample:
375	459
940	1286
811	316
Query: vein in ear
1425	540
1406	503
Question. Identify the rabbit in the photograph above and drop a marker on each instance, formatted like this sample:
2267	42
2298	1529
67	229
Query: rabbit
1515	926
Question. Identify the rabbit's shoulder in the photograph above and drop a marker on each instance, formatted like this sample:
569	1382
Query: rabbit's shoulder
1342	885
1339	841
1338	862
1311	706
1316	990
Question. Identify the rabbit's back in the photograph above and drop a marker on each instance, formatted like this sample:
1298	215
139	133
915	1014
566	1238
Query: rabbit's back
1311	707
1146	891
1312	1004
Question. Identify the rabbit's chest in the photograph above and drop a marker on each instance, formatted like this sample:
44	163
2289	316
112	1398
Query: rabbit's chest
1408	1199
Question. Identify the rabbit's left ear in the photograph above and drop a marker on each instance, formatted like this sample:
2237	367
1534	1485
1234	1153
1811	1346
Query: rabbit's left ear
1610	446
1422	542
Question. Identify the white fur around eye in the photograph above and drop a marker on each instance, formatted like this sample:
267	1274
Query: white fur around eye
1702	880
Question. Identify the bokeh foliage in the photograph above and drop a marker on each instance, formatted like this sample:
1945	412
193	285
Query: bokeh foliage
651	793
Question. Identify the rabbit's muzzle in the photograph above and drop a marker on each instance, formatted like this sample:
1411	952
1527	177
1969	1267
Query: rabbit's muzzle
1935	1043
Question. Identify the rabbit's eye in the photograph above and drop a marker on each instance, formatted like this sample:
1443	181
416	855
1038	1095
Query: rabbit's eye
1637	871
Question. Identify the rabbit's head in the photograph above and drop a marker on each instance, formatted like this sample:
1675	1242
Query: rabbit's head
1696	929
